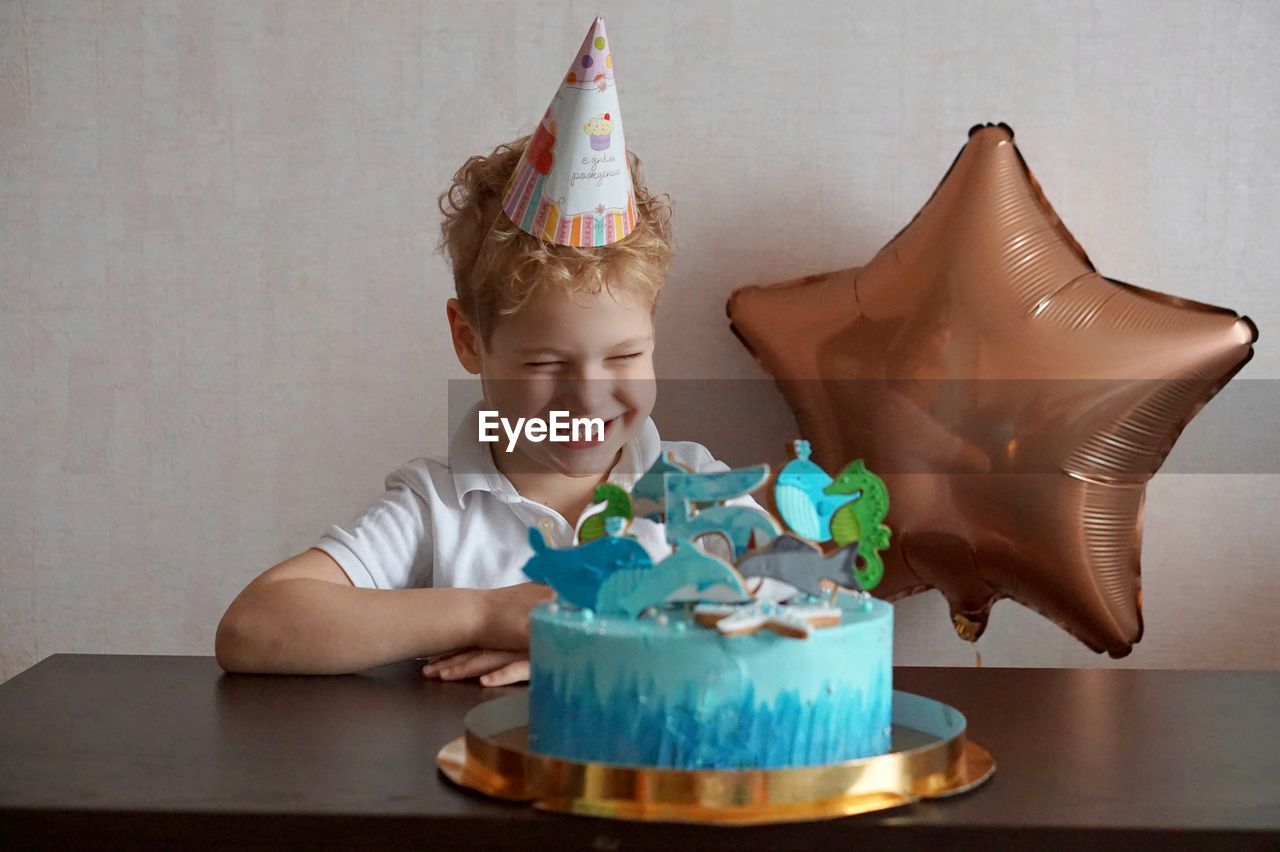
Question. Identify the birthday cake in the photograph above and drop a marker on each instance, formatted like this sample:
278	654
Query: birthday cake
685	662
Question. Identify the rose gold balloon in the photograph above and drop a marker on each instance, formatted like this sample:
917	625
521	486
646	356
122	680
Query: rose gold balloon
1015	401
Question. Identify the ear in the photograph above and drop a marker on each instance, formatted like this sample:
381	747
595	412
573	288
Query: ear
466	337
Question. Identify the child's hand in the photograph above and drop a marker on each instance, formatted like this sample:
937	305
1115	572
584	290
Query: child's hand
495	668
505	616
503	639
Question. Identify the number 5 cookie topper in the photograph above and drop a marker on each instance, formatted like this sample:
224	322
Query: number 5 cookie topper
741	525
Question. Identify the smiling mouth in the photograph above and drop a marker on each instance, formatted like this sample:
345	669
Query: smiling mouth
609	426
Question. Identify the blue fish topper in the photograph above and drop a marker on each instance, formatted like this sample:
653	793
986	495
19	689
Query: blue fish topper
577	573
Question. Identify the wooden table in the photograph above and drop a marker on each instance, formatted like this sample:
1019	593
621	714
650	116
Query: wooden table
169	752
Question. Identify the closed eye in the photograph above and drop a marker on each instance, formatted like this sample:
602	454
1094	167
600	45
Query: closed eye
626	357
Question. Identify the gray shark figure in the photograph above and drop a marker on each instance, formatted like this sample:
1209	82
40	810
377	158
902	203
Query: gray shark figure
798	563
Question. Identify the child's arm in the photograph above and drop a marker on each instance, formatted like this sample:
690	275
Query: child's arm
303	616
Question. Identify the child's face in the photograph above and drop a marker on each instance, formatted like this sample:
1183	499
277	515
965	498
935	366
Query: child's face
589	355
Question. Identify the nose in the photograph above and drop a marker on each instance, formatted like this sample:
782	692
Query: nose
585	393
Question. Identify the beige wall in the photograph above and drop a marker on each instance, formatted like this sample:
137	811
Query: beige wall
222	320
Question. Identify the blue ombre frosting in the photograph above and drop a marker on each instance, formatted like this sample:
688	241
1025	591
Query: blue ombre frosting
612	689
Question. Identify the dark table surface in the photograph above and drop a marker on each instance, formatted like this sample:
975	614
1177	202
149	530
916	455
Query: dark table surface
169	752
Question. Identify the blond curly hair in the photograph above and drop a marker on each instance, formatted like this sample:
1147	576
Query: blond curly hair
497	267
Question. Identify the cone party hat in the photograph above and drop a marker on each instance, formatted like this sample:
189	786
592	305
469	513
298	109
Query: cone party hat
572	186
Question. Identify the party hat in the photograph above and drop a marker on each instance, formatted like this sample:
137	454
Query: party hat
573	186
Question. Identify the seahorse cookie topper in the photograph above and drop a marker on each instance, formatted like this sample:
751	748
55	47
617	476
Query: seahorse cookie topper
610	573
572	186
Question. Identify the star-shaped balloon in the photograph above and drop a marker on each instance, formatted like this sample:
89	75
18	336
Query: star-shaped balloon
1015	401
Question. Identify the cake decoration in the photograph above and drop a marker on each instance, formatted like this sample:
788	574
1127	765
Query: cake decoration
649	494
860	519
616	505
577	573
794	620
802	564
688	575
572	186
740	525
612	574
802	499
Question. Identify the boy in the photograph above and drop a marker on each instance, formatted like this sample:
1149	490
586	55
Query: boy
554	311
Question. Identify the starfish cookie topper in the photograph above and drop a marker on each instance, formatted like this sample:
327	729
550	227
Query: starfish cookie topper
794	620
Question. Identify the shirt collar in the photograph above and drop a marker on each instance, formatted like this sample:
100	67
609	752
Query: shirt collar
473	467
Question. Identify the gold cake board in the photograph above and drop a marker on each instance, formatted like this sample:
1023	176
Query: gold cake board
930	758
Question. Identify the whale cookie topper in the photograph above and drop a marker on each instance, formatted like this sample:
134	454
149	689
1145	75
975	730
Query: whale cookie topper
802	499
577	573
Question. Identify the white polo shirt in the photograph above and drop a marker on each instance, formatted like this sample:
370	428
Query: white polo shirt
437	528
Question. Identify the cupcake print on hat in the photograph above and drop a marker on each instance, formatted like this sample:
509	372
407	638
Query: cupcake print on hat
574	188
599	129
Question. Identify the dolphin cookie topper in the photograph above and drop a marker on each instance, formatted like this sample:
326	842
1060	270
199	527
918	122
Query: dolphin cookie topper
572	186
